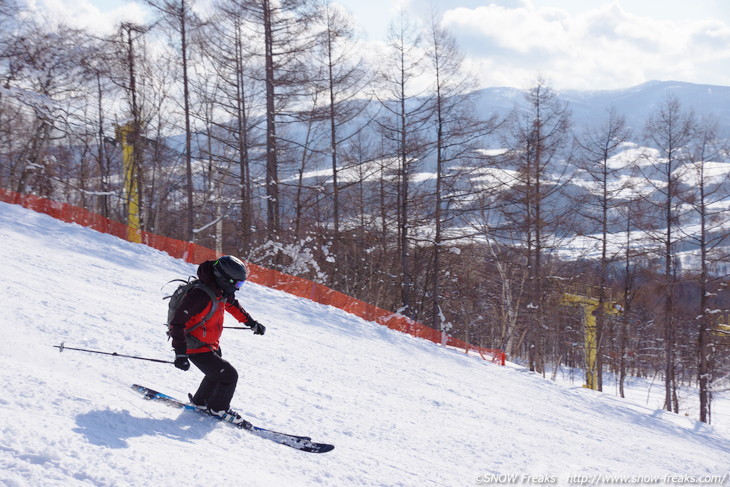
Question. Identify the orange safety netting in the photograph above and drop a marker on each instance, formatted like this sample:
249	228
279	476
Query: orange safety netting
194	253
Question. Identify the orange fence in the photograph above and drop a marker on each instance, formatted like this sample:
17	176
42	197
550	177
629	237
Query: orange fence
297	286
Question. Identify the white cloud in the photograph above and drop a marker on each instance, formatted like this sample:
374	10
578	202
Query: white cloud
83	14
520	29
605	47
585	44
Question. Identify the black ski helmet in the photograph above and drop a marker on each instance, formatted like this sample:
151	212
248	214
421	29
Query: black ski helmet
230	273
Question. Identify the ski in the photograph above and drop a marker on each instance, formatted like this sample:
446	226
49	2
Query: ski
303	443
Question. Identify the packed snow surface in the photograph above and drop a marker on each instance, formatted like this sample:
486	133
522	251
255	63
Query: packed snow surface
401	411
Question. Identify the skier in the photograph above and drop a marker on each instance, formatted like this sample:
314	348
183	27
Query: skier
200	345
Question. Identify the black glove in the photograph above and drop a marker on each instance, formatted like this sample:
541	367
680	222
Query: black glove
258	328
182	362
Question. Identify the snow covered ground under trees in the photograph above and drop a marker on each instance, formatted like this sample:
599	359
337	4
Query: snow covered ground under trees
401	411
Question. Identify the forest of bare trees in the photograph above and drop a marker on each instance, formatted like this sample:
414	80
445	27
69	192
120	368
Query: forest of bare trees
261	130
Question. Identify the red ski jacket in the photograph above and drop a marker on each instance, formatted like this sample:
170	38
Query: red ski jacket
193	308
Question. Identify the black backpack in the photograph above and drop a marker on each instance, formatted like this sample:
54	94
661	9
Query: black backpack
182	291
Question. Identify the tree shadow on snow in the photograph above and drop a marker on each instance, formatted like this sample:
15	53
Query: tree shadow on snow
113	428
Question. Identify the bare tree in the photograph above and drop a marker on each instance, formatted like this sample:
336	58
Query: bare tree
129	33
629	292
406	116
709	180
146	78
285	27
598	147
179	15
99	66
344	77
230	50
668	131
42	83
538	143
458	134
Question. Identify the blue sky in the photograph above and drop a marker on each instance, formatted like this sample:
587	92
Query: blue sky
582	44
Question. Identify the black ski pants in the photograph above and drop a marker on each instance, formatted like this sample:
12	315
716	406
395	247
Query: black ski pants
217	387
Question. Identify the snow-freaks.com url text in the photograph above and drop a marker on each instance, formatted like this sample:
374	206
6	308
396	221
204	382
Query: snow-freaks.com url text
601	479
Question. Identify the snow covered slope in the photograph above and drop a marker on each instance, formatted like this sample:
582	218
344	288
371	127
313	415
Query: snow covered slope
401	411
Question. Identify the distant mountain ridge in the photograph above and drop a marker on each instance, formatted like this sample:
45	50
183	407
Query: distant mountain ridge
636	103
588	110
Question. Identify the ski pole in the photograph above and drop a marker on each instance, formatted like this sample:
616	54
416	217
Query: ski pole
238	327
62	347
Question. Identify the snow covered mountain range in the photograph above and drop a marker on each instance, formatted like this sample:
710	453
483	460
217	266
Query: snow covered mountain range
636	104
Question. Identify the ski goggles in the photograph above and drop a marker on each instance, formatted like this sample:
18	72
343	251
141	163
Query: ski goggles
235	283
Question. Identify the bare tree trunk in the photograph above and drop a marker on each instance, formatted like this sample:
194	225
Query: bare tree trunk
669	131
188	131
242	138
272	165
598	147
102	161
707	192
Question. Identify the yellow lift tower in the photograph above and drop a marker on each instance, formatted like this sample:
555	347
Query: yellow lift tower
585	299
125	133
722	325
